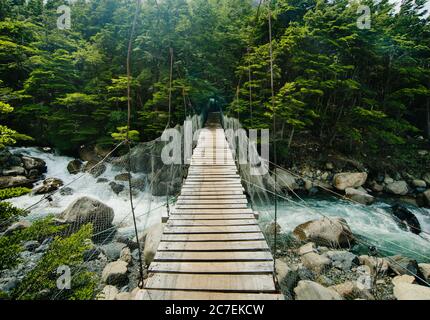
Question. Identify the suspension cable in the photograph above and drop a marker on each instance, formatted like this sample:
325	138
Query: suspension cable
129	169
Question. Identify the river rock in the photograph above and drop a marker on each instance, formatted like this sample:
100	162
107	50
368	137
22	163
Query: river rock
49	185
397	188
402	265
374	264
31	245
122	177
152	240
349	290
271	228
16	181
282	270
307	248
126	255
419	183
20	225
403	279
343	260
315	262
333	232
113	250
309	290
87	210
67	191
406	219
116	187
115	273
94	168
425	270
14	171
407	291
124	296
359	196
74	166
346	180
285	180
376	187
108	293
34	163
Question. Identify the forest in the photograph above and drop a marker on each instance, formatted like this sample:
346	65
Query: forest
360	92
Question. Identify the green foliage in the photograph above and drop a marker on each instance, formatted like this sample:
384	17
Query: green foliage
9	193
9	214
9	253
62	252
121	135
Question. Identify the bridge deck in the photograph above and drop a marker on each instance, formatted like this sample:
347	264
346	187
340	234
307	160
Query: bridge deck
212	247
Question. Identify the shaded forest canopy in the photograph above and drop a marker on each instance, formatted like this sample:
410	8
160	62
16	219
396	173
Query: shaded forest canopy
361	92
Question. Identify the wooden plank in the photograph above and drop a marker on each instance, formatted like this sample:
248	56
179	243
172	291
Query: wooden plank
214	246
182	201
212	216
201	295
211	193
213	197
217	282
213	256
212	222
214	237
211	211
211	206
213	267
213	229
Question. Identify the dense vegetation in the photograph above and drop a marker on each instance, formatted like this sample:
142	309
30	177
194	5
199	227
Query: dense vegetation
360	92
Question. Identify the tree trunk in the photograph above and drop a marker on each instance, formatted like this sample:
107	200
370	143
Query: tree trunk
291	138
428	117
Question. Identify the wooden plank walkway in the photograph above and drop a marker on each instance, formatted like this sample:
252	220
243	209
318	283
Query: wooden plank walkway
212	247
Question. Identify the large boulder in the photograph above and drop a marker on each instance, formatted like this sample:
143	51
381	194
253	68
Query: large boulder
113	250
282	269
49	185
309	290
34	163
152	240
359	196
14	171
94	168
315	262
407	291
343	260
74	166
285	180
425	271
406	219
16	181
87	210
116	187
115	273
398	188
333	232
346	180
427	197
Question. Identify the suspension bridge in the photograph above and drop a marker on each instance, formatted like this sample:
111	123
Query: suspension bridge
212	246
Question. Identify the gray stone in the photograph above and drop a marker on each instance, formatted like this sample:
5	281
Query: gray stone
398	188
426	178
309	290
374	264
307	248
425	270
92	254
8	284
346	180
333	232
116	187
282	270
126	255
49	185
67	191
403	265
34	163
15	181
74	166
20	225
108	293
343	260
14	171
419	183
315	262
42	248
94	168
113	250
122	177
102	180
87	210
285	180
408	291
115	273
359	196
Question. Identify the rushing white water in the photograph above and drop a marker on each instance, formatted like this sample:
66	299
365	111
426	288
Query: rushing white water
148	208
373	222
